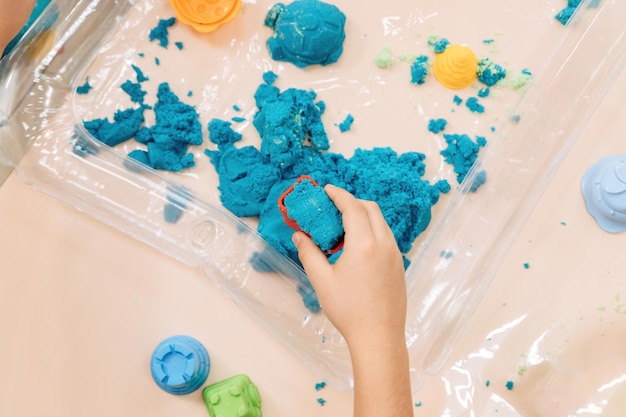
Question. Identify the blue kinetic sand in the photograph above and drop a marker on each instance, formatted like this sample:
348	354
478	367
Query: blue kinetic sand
160	32
489	73
604	190
462	153
315	213
419	70
306	32
180	365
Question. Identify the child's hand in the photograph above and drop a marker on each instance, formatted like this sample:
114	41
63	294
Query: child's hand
364	295
13	16
364	292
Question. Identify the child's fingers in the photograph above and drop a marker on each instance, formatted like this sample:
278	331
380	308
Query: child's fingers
355	217
313	259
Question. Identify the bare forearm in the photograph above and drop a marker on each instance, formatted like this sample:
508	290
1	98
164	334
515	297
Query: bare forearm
381	379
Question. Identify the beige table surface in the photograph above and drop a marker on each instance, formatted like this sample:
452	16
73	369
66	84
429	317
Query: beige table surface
82	306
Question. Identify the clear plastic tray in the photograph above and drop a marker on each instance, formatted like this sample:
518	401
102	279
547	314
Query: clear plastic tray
573	68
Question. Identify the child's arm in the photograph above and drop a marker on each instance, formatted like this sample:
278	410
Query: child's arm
13	16
364	295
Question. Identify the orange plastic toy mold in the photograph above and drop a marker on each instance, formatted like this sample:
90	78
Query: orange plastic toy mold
291	222
205	15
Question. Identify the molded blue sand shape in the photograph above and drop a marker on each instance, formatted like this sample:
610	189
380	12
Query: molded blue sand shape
306	32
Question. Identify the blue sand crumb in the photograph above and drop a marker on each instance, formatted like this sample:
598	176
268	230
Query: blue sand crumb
252	180
160	31
316	214
238	119
269	77
141	77
474	106
484	92
418	404
563	224
321	401
457	100
419	70
526	265
462	153
492	128
479	180
346	124
189	93
157	61
565	14
487	383
141	54
437	125
306	32
222	134
516	118
488	41
320	385
441	45
509	385
489	72
236	107
126	123
84	89
179	45
134	91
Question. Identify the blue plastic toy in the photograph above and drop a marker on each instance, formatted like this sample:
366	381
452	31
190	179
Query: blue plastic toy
604	190
180	365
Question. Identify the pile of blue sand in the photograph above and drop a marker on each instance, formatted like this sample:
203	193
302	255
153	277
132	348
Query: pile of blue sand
252	180
160	32
306	32
176	127
315	213
566	13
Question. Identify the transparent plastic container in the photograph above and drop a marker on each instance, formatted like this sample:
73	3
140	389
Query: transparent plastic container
41	117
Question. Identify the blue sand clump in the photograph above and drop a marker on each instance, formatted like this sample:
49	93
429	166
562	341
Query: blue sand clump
346	124
437	125
176	128
134	91
141	77
484	92
489	72
286	120
246	179
126	123
252	180
238	119
221	133
474	106
315	213
457	100
419	70
160	32
85	88
462	153
565	14
306	32
441	45
179	45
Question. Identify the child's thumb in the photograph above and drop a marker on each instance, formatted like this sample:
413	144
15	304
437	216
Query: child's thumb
313	259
